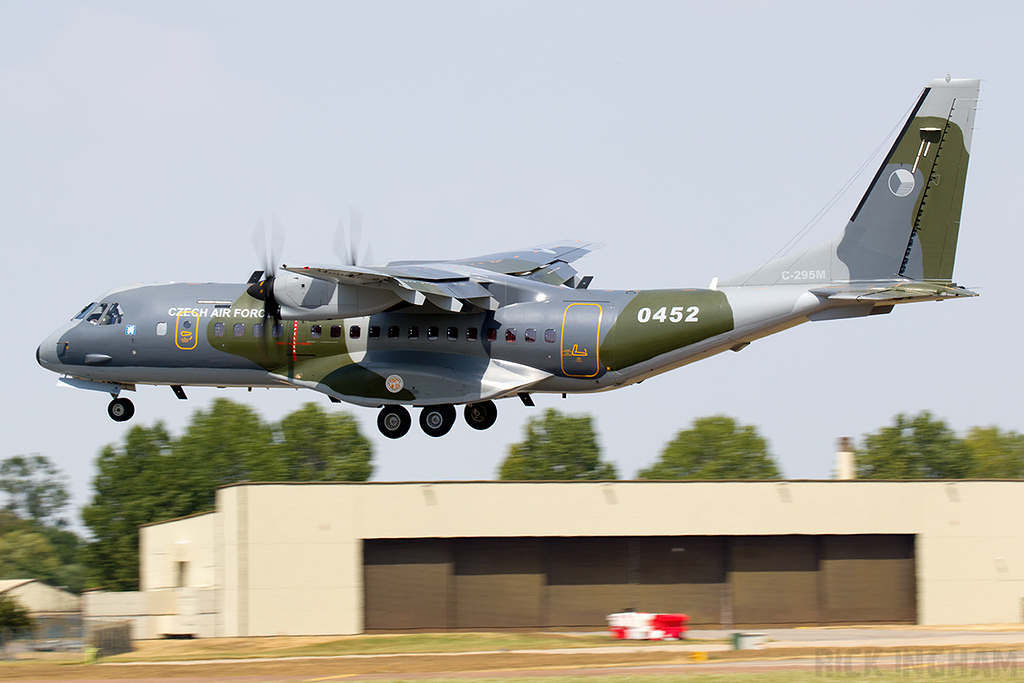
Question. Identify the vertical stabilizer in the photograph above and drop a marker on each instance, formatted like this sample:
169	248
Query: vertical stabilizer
907	223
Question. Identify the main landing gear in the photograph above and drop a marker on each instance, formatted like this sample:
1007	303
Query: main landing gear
120	409
481	415
437	420
394	420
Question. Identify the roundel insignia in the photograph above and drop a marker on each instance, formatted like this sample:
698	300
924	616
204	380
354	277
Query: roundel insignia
901	182
394	383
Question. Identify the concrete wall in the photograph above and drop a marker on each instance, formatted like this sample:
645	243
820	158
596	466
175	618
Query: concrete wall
178	554
293	559
178	577
155	613
287	559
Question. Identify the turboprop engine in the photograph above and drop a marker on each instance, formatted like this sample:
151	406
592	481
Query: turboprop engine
300	297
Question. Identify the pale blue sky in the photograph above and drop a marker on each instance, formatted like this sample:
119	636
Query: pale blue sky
142	142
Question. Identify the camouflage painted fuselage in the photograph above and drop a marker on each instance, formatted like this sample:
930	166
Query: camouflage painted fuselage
548	338
467	331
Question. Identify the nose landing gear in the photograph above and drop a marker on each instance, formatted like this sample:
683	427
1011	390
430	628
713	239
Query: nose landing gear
120	409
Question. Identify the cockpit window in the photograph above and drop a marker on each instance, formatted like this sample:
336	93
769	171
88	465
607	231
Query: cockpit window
95	314
104	314
112	316
84	311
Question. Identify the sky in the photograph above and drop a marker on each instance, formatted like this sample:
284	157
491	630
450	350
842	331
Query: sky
142	142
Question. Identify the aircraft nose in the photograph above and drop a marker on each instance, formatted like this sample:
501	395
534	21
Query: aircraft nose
46	353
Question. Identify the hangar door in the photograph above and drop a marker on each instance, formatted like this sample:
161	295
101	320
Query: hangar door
480	583
408	579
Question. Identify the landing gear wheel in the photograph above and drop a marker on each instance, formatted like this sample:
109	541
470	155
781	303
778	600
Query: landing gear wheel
481	415
437	420
120	409
394	421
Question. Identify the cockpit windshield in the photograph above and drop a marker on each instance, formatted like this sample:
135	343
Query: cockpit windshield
112	316
95	314
101	314
82	313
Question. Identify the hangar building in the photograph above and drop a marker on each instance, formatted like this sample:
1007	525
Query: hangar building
348	558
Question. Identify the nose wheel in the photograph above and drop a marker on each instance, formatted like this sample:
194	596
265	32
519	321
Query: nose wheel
437	420
481	415
120	409
393	421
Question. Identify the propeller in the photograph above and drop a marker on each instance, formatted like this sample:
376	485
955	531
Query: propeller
347	250
268	252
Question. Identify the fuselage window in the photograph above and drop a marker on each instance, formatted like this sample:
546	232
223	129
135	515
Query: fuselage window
414	331
374	331
257	330
432	333
492	334
470	334
277	330
161	329
239	330
550	336
453	334
81	313
393	332
354	331
530	335
510	334
315	331
218	329
335	331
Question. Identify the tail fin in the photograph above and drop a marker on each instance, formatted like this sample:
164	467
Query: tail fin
907	224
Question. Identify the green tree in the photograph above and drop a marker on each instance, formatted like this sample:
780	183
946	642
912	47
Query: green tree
318	446
224	445
13	618
714	447
28	554
918	447
995	454
152	477
136	483
36	489
556	447
34	540
11	522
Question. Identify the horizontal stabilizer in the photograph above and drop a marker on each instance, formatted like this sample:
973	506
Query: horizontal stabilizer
893	292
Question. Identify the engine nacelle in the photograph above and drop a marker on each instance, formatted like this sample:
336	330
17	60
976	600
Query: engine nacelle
301	297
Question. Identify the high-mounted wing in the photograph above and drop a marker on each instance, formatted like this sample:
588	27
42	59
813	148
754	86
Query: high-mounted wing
452	285
532	261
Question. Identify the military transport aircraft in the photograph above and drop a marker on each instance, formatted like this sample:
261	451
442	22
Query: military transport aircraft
436	334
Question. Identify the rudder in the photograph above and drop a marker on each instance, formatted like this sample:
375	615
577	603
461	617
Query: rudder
908	222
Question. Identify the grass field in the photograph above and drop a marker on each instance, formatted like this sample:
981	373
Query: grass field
478	658
408	643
